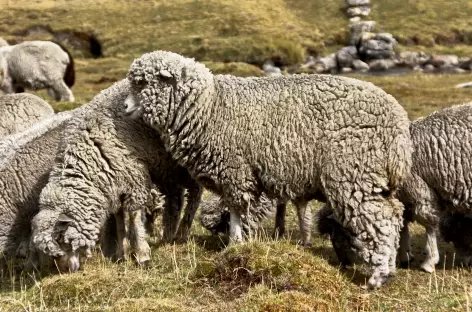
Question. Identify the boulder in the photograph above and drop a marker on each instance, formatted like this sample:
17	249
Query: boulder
353	3
358	11
411	59
376	49
464	85
345	56
360	65
441	61
429	68
381	65
346	70
271	70
465	63
326	64
358	29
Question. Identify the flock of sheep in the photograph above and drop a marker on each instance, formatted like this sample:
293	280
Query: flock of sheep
102	173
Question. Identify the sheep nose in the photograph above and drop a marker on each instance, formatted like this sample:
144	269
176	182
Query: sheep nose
130	104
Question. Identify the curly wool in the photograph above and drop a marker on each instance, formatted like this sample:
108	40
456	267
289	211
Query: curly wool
297	137
36	65
105	164
20	111
25	161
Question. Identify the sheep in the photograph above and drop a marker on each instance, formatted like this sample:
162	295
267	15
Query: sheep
38	65
298	137
437	192
455	228
20	111
25	161
105	166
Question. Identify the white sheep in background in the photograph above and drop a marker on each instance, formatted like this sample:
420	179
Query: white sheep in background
298	137
20	111
105	166
38	65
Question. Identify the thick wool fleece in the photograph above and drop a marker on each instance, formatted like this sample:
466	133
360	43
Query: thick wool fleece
36	65
441	175
298	137
20	111
25	161
105	167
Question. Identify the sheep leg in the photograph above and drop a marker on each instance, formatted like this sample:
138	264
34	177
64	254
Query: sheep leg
304	221
432	253
62	92
174	200
193	201
280	220
405	254
7	85
137	234
235	227
122	236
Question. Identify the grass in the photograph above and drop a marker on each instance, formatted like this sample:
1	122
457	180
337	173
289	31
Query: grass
235	37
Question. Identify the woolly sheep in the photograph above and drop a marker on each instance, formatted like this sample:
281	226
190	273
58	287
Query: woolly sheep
439	183
298	138
38	65
20	111
25	161
104	167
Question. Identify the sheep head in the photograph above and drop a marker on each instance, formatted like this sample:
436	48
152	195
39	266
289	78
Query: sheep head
164	85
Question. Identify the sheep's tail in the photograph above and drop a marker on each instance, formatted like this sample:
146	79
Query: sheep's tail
69	75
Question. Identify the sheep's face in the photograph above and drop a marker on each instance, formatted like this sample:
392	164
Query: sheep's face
340	238
165	85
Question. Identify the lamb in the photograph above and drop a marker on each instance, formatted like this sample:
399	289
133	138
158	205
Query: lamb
437	193
38	65
20	111
105	166
298	138
25	161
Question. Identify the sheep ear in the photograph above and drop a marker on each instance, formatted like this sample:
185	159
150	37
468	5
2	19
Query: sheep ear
64	219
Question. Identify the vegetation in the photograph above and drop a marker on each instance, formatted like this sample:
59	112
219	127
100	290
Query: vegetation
236	36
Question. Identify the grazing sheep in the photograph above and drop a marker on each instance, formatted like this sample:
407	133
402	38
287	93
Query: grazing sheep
38	65
105	166
437	194
25	162
298	137
20	111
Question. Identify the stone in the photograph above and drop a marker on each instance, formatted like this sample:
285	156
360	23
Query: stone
355	19
358	11
465	63
345	56
381	65
360	65
376	49
358	29
429	68
353	3
346	70
411	59
464	85
441	61
326	64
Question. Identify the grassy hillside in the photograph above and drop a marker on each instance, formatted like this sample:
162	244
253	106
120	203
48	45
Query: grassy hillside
236	36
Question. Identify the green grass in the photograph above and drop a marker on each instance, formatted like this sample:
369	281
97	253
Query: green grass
232	37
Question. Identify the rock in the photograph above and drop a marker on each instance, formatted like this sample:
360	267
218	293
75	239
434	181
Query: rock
376	49
464	85
269	68
360	65
355	19
3	42
465	63
429	68
345	56
326	64
352	3
358	29
441	61
358	11
381	65
346	70
411	59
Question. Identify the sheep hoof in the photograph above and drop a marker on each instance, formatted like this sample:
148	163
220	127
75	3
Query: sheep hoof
375	282
428	267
